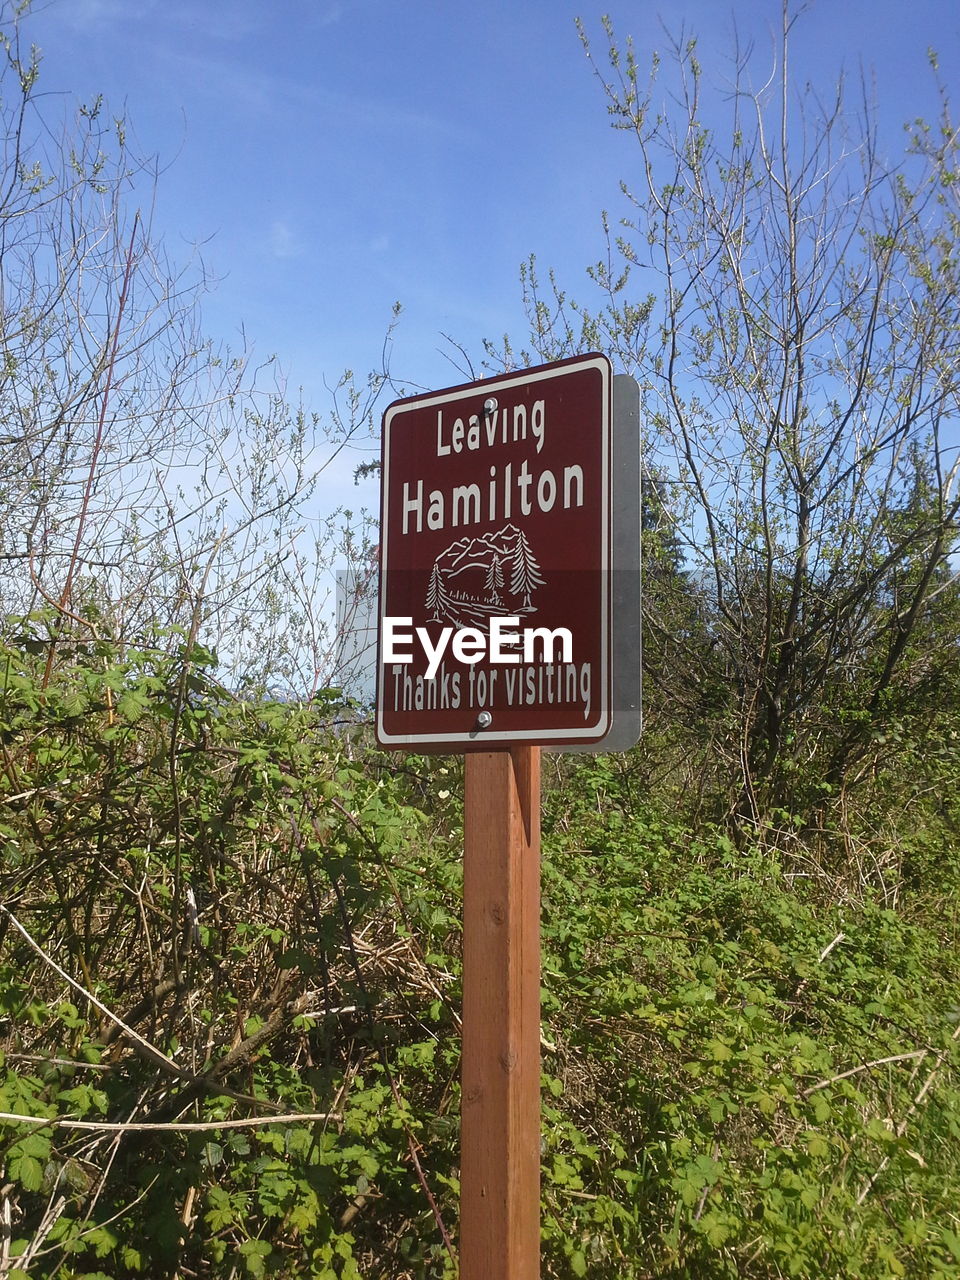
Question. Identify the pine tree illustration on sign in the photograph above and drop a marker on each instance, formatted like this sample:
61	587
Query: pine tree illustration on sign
434	592
475	578
525	571
494	580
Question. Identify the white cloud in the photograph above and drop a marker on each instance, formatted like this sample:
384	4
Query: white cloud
283	240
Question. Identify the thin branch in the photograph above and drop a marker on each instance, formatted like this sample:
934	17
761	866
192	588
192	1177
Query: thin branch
877	1062
97	447
829	947
153	1054
151	1050
104	1126
902	1126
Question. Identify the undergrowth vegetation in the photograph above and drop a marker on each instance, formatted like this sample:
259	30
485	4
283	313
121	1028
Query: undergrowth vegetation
230	992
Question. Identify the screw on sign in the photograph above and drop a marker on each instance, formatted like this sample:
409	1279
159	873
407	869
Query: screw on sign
495	542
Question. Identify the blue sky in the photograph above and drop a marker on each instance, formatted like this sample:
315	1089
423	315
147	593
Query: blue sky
336	156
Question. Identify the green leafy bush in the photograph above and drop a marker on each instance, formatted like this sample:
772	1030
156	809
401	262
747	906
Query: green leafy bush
218	912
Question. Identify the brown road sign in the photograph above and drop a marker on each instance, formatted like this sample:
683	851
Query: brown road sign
495	592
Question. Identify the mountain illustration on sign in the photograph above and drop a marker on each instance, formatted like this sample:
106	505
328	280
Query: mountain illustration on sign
477	578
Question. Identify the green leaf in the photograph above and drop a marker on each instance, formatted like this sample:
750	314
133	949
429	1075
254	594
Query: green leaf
221	1212
952	1241
254	1254
213	1154
27	1170
817	1146
103	1240
718	1051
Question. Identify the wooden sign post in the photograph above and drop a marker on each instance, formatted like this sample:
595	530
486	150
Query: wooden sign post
509	621
500	1106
